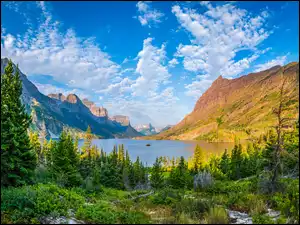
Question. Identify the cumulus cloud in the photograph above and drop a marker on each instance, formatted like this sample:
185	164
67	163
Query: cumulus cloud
217	35
147	15
173	62
161	107
280	60
63	55
151	68
51	89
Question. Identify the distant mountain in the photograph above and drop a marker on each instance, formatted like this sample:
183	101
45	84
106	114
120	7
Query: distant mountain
146	129
166	128
55	112
245	105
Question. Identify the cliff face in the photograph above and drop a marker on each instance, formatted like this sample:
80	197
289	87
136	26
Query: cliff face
51	114
243	103
97	111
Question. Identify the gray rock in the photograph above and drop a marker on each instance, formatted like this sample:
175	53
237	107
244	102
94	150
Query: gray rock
239	217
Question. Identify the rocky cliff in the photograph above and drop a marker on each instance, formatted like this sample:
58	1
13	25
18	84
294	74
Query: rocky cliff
51	114
245	105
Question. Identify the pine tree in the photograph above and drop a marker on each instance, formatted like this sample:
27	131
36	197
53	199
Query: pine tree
51	145
198	158
36	146
121	155
225	163
87	144
18	160
65	161
156	177
236	162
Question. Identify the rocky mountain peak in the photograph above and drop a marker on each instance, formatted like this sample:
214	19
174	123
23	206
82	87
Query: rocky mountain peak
97	111
58	96
72	98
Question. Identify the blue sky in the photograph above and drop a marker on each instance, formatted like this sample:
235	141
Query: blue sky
150	61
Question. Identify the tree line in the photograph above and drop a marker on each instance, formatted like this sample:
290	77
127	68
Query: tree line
24	157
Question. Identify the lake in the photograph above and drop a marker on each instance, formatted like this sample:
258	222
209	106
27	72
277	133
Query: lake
169	148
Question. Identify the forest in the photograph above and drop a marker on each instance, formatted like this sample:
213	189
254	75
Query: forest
48	180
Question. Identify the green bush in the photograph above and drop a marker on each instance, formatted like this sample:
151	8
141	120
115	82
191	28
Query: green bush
33	202
104	213
166	196
217	215
262	219
227	187
193	207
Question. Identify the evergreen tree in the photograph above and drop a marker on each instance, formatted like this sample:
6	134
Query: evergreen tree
156	177
18	160
198	158
65	161
87	144
236	162
51	145
121	155
36	145
225	163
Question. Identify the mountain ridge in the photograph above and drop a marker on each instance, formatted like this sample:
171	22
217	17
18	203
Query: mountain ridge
52	115
244	103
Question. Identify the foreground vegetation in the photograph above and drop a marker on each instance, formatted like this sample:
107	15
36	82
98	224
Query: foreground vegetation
44	180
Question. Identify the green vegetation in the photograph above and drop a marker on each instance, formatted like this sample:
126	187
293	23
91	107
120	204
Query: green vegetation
58	179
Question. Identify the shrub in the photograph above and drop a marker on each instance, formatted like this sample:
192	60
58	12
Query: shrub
104	213
202	180
29	203
217	215
262	219
166	196
193	207
228	187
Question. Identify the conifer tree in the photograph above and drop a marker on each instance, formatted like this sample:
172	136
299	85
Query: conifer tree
198	158
36	146
225	163
87	144
236	162
156	177
121	155
65	161
18	160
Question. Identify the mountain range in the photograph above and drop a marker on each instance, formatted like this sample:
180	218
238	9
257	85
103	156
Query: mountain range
53	113
243	106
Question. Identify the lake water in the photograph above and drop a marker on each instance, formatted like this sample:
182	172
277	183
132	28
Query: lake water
169	148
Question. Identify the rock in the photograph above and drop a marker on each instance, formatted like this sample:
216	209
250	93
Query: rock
239	217
273	214
61	220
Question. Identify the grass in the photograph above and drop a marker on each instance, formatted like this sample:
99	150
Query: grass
29	204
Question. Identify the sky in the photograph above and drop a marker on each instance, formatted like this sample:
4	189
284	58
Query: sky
150	61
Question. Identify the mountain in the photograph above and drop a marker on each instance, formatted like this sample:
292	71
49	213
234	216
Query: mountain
55	112
146	129
166	128
245	105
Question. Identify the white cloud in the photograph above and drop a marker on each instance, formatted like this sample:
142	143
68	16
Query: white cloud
117	89
173	62
218	35
151	68
147	15
63	55
280	60
51	89
197	88
162	107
